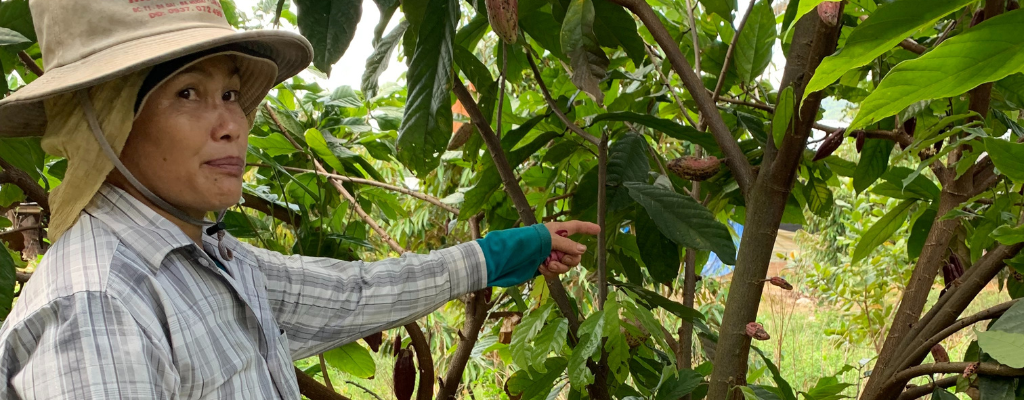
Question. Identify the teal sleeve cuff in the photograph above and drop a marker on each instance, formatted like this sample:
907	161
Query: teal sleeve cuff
514	256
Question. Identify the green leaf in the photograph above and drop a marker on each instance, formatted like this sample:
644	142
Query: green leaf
748	393
882	230
274	144
1009	234
8	36
920	187
685	221
1008	157
919	233
659	253
588	61
618	356
543	28
754	47
490	180
352	359
521	345
329	25
819	197
627	162
550	339
657	300
590	340
24	153
682	384
723	8
996	388
378	61
784	387
1005	347
427	126
1012	320
668	127
883	30
615	20
7	280
535	385
873	162
987	52
941	394
783	116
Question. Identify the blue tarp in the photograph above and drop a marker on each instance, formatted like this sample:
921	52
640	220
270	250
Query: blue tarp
714	267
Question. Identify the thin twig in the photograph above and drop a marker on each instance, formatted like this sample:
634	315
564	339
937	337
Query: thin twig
987	314
368	391
728	53
424	361
24	181
323	371
554	106
693	36
987	368
602	210
30	64
671	89
501	89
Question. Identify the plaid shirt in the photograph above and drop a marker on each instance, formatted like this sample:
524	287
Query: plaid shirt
126	306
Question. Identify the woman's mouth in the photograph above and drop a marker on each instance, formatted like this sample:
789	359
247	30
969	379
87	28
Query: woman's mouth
234	166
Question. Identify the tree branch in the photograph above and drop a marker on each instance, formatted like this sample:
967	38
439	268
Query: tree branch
424	361
272	209
989	368
30	64
24	181
554	106
987	314
671	89
924	390
735	159
314	390
728	53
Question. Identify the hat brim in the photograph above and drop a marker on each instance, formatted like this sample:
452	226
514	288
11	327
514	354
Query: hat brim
22	113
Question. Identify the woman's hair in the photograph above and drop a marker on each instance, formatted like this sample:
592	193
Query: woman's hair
162	71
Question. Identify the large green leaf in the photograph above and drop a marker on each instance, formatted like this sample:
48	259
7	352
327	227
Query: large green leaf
590	340
24	153
920	187
942	394
521	346
588	61
723	8
659	253
427	126
882	230
656	300
783	116
784	387
550	339
1005	347
490	180
329	25
353	359
819	197
873	162
627	162
543	28
1007	157
754	46
378	61
887	26
987	52
668	127
8	36
7	280
682	384
685	221
919	233
619	23
535	385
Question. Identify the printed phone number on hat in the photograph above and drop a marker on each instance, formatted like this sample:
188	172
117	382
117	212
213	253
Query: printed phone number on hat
168	11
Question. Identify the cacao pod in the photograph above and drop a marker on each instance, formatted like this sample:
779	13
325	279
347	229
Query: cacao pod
939	354
860	141
951	271
1012	5
756	331
909	126
461	136
635	340
396	346
978	17
830	144
828	11
509	324
504	18
695	169
780	282
374	341
971	369
405	375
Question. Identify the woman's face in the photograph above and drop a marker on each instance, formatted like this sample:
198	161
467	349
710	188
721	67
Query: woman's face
189	141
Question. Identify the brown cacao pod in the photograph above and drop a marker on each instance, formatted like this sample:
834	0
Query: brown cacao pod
405	375
374	341
971	369
694	168
756	331
507	326
830	144
939	354
779	282
504	18
1012	5
461	136
860	141
396	346
978	17
909	126
951	271
828	11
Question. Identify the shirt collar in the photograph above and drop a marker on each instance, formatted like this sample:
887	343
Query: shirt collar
148	234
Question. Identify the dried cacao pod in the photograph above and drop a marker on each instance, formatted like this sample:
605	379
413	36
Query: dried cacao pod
780	282
374	341
504	18
860	141
971	369
695	168
978	17
756	331
405	375
951	271
635	340
909	126
396	346
939	354
507	326
828	11
1012	5
830	144
461	136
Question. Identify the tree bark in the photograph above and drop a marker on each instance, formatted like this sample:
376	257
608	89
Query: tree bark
314	390
24	181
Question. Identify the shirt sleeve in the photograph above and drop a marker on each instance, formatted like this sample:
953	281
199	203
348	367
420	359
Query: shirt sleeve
84	346
514	256
322	303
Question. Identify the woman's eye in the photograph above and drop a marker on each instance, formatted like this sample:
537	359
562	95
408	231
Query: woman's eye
231	96
187	94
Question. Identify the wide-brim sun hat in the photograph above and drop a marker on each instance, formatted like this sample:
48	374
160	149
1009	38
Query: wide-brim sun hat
85	44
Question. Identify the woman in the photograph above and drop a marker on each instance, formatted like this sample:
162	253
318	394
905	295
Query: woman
139	296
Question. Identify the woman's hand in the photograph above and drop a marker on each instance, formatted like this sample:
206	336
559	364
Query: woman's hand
572	252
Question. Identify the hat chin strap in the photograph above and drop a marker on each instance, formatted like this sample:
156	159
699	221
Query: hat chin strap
94	125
